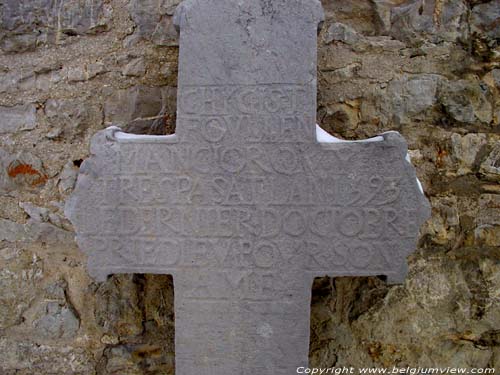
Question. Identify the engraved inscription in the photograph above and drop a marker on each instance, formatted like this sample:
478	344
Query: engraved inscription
169	189
257	113
165	203
261	99
243	206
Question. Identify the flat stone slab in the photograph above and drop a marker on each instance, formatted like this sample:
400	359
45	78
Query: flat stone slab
243	206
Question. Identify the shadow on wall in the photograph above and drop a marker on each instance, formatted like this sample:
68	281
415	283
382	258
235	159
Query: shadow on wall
136	313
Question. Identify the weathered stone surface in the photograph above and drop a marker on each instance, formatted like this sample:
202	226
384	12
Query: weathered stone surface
76	74
488	220
135	68
154	20
69	118
25	357
496	77
455	294
57	290
435	20
243	206
466	101
491	166
17	118
33	230
43	225
383	12
67	177
486	18
15	81
9	208
113	311
488	235
343	33
24	25
489	209
11	231
466	150
342	11
405	100
47	233
94	69
59	321
19	276
139	109
445	221
39	214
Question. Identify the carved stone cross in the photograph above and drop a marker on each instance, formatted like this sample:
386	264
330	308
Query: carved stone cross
243	206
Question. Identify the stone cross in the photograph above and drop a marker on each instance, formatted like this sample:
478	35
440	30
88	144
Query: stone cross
243	206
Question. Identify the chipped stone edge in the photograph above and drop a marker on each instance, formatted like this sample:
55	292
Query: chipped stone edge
104	141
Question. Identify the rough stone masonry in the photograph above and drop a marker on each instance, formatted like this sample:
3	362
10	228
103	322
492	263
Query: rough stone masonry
428	69
243	206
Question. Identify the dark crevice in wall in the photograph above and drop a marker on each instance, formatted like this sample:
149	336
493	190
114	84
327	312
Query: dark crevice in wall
141	318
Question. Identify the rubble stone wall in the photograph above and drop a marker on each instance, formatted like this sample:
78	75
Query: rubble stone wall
429	69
